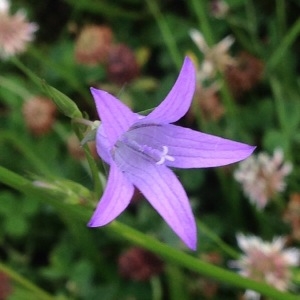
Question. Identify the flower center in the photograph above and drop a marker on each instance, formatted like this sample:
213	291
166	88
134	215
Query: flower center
157	154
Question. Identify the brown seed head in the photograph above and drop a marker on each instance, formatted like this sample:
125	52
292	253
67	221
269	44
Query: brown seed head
39	115
93	44
139	264
122	66
245	75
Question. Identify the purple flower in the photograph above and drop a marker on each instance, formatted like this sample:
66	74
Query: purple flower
140	151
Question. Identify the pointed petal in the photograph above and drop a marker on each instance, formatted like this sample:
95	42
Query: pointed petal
189	148
115	199
225	44
199	40
163	190
115	116
179	99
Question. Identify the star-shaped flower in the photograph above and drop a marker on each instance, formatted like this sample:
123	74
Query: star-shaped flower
216	58
140	151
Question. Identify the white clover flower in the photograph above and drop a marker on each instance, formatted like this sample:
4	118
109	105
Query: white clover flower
262	176
15	31
266	262
216	58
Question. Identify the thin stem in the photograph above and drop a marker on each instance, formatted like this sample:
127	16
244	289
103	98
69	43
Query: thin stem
69	78
229	104
176	282
14	87
281	112
167	34
122	231
281	17
284	46
201	11
156	288
83	121
38	292
98	188
223	246
193	263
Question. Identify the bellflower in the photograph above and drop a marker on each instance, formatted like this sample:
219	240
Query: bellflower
140	151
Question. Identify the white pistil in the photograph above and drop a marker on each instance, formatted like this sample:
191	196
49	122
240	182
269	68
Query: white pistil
165	156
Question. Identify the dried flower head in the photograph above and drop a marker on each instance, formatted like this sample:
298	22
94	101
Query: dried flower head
266	262
5	286
209	102
15	31
262	176
39	114
292	215
93	44
245	74
216	58
139	264
122	66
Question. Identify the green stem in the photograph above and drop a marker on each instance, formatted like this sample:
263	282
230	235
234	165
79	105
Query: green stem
14	87
176	282
201	10
156	288
65	74
281	17
38	292
166	33
122	231
195	264
284	46
223	246
281	112
230	107
98	188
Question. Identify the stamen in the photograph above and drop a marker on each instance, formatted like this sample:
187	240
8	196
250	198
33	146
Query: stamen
149	153
165	156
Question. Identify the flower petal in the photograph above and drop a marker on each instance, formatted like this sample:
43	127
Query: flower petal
189	148
162	189
179	99
199	40
115	199
116	117
102	145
